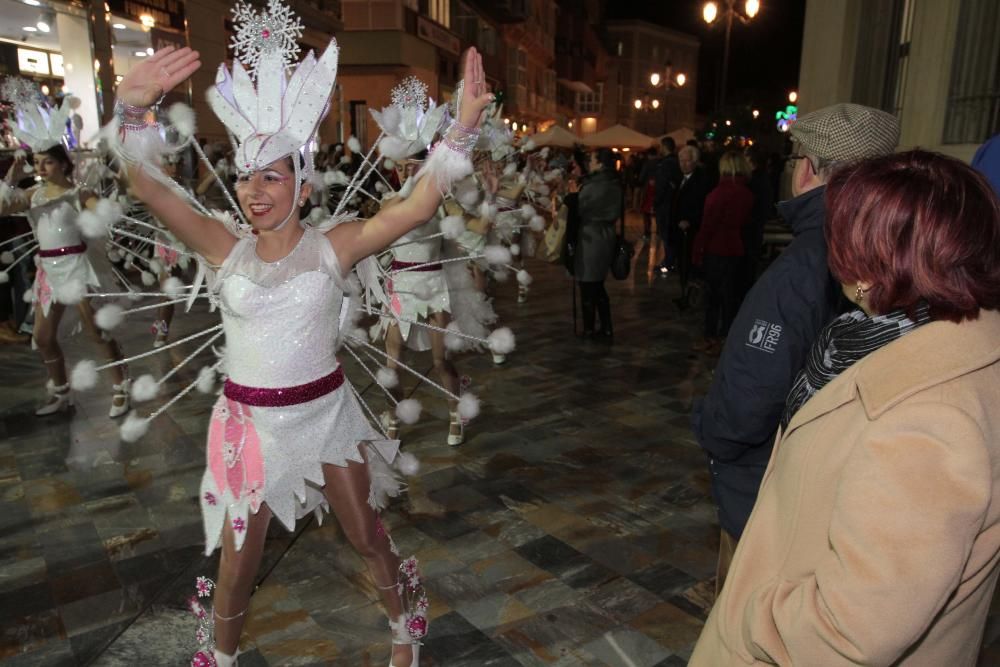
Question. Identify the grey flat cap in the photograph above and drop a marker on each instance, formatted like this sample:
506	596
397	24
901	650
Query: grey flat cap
847	132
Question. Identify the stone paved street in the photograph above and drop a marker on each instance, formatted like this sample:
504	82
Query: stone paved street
574	527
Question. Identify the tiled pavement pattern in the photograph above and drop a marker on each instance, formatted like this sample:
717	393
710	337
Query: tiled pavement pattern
573	528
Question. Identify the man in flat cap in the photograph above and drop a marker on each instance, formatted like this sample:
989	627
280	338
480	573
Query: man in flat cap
780	318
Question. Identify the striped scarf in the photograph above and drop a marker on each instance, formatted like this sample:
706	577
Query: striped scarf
842	343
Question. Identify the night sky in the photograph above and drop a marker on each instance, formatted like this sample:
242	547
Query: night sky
764	55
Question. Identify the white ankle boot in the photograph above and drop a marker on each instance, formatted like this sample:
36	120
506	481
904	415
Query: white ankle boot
401	637
120	400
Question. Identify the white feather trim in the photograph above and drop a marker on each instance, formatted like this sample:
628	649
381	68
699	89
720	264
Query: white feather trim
108	210
468	406
72	292
408	410
501	341
497	255
84	375
145	388
109	316
181	116
452	227
173	286
446	166
206	380
134	427
394	148
387	377
487	210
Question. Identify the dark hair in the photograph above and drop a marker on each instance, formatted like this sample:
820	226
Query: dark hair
669	144
59	154
580	158
919	226
607	158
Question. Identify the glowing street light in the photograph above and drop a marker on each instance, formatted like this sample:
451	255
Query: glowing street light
654	79
710	12
681	79
637	104
756	113
793	97
656	104
752	7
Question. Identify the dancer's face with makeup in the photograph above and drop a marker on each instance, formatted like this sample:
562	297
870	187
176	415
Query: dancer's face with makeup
266	196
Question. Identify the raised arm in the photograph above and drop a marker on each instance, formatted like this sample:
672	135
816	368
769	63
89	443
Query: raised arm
13	199
355	241
142	86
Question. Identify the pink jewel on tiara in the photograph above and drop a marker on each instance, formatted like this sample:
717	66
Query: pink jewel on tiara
265	33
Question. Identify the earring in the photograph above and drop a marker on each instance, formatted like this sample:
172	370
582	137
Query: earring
302	203
859	294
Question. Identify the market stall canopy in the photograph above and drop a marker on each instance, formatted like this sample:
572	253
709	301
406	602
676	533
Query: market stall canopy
619	136
556	136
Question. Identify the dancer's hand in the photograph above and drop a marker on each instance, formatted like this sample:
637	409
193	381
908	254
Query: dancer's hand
146	82
475	94
16	171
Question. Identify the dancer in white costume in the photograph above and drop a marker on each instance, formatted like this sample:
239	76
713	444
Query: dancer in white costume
288	435
65	263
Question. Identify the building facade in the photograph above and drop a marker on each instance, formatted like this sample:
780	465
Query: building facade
933	63
638	49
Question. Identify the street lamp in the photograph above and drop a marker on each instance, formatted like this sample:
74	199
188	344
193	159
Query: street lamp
710	12
668	80
654	79
637	104
656	103
793	97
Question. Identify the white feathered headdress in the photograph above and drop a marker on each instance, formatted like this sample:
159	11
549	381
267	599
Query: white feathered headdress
279	115
38	125
410	122
495	137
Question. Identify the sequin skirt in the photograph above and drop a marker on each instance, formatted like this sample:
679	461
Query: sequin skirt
275	456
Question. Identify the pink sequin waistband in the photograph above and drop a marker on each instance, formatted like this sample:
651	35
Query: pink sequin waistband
67	250
414	266
278	397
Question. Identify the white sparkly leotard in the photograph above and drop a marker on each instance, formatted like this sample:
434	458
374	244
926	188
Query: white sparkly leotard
281	321
53	220
418	249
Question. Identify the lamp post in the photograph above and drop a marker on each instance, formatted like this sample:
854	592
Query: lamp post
668	81
710	12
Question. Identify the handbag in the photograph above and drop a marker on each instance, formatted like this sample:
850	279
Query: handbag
621	263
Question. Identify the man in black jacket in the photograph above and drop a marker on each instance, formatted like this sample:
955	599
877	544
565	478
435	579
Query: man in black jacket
668	177
685	218
780	318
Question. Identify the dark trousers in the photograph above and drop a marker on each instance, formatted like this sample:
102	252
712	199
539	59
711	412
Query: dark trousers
722	274
594	303
681	242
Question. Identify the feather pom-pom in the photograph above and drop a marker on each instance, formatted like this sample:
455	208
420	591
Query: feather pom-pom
510	169
155	267
109	316
468	406
387	377
84	375
181	116
108	210
487	210
173	286
148	279
134	427
524	278
206	380
501	341
527	211
466	192
381	187
528	145
537	223
452	227
497	255
7	257
389	163
91	226
354	145
28	296
515	250
408	410
72	292
4	277
408	464
145	388
394	148
114	256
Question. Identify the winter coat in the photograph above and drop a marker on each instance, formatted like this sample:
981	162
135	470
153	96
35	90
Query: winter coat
599	206
689	203
875	538
727	212
767	346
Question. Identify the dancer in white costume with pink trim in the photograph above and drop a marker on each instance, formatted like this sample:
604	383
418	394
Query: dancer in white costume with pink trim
288	436
66	267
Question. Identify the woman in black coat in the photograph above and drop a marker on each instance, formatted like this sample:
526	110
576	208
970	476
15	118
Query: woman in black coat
594	210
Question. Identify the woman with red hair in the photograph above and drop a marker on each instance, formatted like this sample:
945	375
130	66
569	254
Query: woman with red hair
875	539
